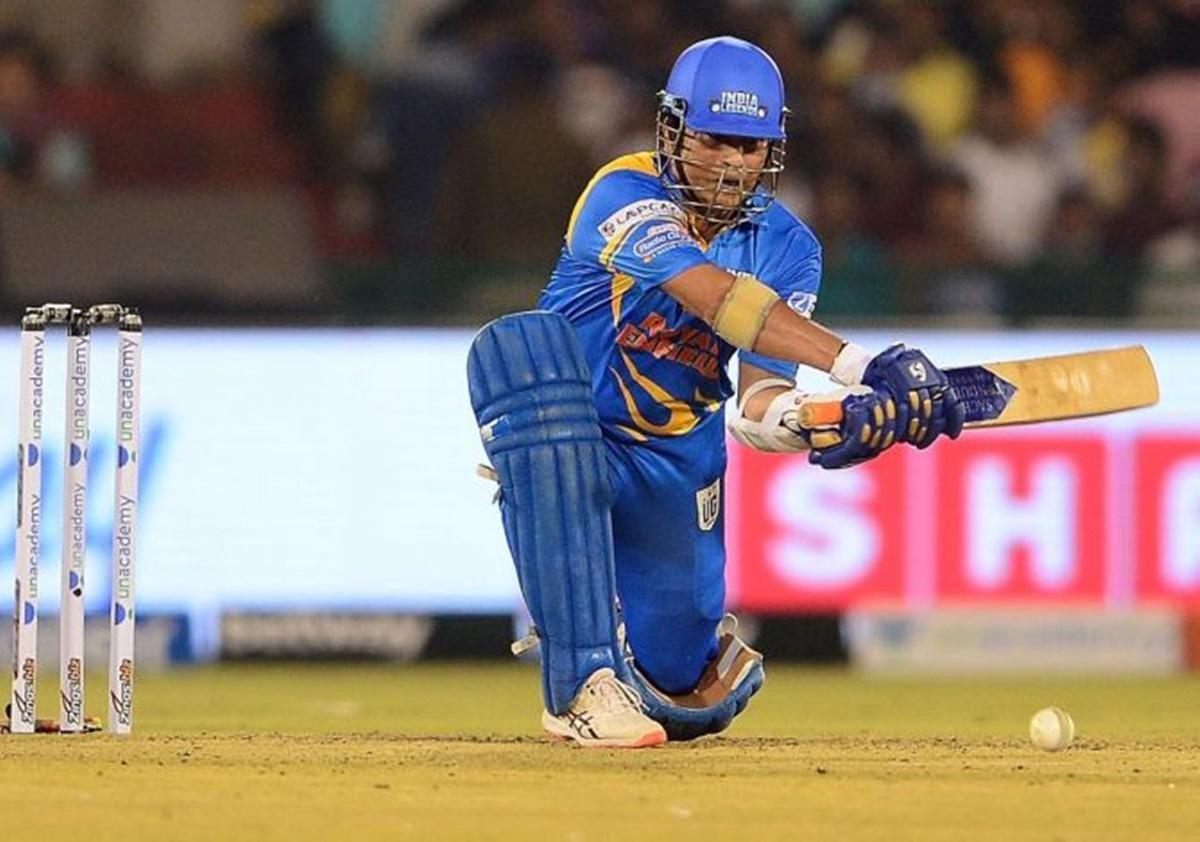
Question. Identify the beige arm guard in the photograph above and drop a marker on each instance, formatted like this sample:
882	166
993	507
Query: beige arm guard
743	311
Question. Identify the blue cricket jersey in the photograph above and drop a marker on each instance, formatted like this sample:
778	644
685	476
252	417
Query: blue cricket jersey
657	371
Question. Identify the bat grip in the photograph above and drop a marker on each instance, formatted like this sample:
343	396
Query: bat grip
815	414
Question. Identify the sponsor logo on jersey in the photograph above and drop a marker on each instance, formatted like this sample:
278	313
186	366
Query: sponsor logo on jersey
708	506
694	347
803	303
738	102
633	213
661	238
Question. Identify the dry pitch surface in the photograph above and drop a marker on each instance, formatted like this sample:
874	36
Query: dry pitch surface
453	751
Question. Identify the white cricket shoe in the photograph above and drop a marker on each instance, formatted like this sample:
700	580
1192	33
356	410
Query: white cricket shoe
606	714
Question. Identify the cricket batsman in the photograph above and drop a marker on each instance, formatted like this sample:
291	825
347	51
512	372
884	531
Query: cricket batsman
603	411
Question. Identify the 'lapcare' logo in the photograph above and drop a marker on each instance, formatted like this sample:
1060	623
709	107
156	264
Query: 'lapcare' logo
636	212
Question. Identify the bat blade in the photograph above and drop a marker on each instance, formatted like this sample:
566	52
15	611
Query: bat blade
1038	389
1056	388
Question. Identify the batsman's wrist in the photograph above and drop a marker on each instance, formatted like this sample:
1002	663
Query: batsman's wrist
850	364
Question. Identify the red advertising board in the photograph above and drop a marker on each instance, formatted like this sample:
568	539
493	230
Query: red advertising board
1090	517
1167	518
1021	518
812	538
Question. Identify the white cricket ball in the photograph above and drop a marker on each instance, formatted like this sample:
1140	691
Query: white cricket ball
1051	729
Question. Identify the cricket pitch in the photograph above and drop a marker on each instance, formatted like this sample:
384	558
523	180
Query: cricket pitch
454	751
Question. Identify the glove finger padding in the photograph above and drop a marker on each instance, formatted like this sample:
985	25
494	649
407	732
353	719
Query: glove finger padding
955	413
945	418
927	406
867	429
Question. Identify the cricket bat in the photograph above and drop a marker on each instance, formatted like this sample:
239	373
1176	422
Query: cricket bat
1039	389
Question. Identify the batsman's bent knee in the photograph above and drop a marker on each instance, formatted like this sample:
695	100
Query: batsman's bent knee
723	692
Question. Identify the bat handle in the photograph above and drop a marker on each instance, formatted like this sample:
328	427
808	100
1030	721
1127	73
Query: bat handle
815	414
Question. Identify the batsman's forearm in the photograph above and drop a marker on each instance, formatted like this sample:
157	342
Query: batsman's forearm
786	335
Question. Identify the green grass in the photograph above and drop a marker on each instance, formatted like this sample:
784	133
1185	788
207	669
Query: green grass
453	751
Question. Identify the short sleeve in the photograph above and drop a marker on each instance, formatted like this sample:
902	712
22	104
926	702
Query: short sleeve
794	272
627	225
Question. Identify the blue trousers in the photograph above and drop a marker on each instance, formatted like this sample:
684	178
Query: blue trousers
668	521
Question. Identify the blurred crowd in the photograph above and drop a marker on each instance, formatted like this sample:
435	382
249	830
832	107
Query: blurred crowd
1005	159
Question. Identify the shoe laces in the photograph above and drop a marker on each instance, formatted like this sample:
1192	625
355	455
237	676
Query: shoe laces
614	695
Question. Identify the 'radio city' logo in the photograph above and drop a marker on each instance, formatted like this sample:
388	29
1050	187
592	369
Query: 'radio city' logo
738	102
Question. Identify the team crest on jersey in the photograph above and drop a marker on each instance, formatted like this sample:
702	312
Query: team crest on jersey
738	102
633	213
708	506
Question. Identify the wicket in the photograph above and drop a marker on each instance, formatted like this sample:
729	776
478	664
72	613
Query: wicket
79	324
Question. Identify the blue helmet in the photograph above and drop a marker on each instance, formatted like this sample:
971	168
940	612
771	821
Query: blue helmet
730	87
726	87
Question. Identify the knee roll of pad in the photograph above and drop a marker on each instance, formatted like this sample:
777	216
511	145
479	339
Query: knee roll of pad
723	692
532	394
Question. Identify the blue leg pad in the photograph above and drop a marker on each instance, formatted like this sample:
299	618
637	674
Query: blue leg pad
532	395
